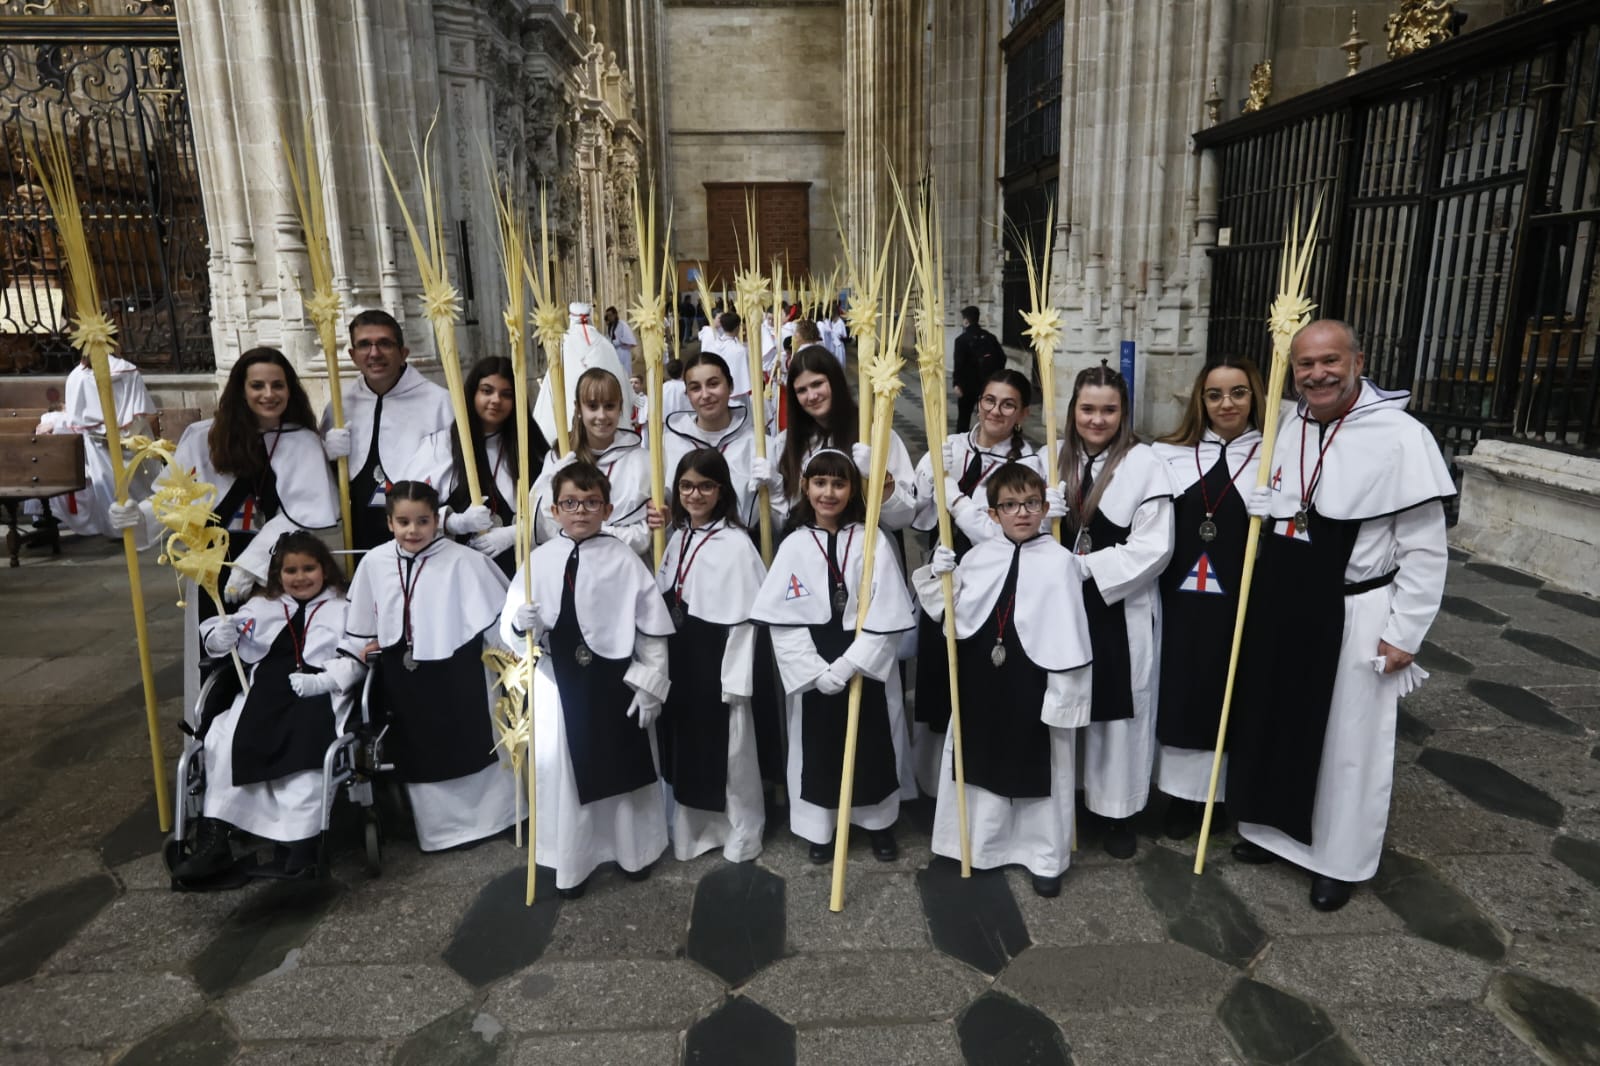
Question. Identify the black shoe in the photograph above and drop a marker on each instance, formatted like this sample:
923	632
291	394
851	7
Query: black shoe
1119	842
884	848
300	858
1329	893
1253	854
1183	819
637	875
1048	887
211	855
575	892
820	853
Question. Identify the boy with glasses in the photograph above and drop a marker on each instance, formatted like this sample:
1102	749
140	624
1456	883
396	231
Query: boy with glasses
600	684
1022	646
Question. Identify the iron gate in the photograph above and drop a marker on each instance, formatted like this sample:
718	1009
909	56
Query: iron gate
113	87
1461	198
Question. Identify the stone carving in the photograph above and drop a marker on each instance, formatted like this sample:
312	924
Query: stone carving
1419	24
1260	86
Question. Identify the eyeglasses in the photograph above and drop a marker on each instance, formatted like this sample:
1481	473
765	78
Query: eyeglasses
571	506
1032	505
383	344
697	488
1238	394
1005	407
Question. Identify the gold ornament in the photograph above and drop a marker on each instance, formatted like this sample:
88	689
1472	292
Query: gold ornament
1353	45
1214	104
1419	24
1260	86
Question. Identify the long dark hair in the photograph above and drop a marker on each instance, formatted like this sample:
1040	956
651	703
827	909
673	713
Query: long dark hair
235	439
299	542
1024	388
804	430
833	464
1073	452
708	463
495	366
413	491
1194	423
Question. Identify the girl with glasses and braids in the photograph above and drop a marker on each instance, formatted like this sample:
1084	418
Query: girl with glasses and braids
1117	498
709	577
1213	455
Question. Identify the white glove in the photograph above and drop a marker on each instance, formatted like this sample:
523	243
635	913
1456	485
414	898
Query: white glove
308	685
336	443
526	621
474	519
494	541
223	637
1259	503
646	708
943	560
760	473
565	460
240	583
1055	501
125	516
862	454
947	451
952	491
836	678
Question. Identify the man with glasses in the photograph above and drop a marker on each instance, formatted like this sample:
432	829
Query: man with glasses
978	354
387	413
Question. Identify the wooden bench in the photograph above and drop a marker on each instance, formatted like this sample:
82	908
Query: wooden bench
19	423
170	422
37	467
18	394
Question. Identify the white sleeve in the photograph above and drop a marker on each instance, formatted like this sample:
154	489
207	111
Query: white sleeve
973	520
901	506
799	665
1123	568
256	559
361	616
930	590
1421	554
873	654
924	519
1067	697
636	535
738	663
513	641
648	671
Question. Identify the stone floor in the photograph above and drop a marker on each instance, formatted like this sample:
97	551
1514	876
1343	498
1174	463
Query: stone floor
1478	942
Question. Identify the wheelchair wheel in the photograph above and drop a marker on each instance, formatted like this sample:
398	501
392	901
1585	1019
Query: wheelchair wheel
373	839
172	854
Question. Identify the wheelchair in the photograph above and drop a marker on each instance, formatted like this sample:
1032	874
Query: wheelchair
352	763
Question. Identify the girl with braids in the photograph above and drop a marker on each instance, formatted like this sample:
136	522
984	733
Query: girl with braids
1117	498
822	414
970	459
1214	454
619	453
488	526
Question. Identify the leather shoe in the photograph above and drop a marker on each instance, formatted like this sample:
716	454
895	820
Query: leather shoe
1183	818
1120	842
820	853
575	892
884	848
1254	854
1048	887
1328	893
641	874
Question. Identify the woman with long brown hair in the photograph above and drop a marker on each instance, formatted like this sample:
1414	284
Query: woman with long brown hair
1117	497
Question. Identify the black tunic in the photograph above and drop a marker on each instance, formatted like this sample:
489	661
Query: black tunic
692	731
610	753
1112	683
438	726
279	733
1197	626
1006	747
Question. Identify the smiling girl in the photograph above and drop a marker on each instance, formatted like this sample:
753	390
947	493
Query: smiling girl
599	440
809	602
1118	498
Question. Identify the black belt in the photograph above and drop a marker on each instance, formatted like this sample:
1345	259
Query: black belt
1371	583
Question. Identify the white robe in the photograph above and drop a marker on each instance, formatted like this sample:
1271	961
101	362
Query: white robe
412	408
585	347
626	464
287	808
87	511
737	443
720	587
898	509
1118	756
434	463
872	654
454	598
620	614
1385	464
971	514
1185	773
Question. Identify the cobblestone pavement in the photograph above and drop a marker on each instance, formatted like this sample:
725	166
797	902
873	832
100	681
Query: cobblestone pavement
1478	942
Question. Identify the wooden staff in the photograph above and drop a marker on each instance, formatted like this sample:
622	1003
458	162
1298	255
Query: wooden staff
94	336
1290	311
647	315
752	293
323	303
550	323
885	383
927	262
1044	330
441	303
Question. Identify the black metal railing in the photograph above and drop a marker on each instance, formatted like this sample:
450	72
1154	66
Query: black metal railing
1461	203
113	89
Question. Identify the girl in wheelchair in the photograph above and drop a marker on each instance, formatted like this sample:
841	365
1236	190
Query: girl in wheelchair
263	753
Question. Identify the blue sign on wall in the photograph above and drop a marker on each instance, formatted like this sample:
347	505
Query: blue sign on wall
1127	370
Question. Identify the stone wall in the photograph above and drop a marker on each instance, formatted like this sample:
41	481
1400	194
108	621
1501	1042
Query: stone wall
754	92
